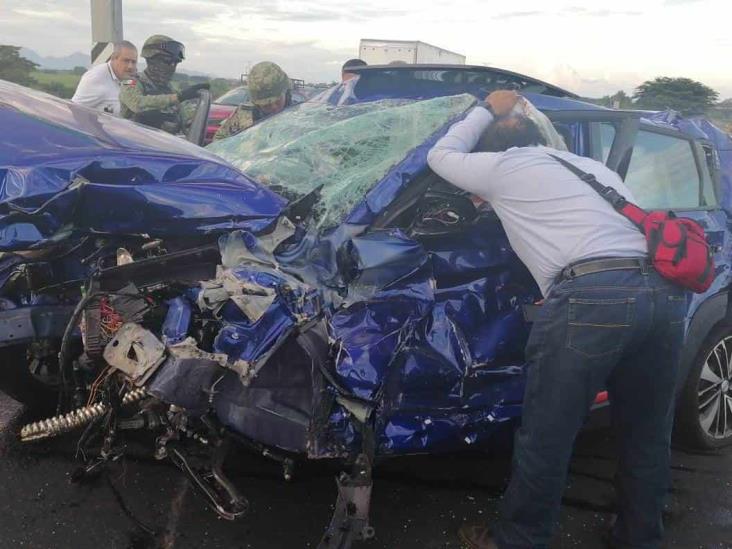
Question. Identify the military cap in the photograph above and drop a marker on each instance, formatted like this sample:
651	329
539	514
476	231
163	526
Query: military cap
159	43
267	82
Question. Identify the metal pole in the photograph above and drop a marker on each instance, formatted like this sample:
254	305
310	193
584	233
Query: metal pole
106	17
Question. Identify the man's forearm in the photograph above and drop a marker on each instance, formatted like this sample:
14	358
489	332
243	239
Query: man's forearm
452	160
464	135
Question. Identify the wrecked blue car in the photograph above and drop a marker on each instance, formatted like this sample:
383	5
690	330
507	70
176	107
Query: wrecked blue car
308	288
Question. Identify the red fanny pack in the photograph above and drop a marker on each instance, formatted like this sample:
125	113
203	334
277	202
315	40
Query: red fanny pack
677	246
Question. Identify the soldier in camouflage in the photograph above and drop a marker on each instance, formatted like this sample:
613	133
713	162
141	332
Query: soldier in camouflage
269	93
149	99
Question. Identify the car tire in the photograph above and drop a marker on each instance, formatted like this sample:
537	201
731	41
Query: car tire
17	381
704	409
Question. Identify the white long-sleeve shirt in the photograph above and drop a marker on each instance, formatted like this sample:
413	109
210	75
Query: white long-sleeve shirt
551	217
99	89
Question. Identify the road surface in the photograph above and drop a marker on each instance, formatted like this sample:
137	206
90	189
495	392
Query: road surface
418	502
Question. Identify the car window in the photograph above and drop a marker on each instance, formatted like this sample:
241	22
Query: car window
603	135
663	172
234	97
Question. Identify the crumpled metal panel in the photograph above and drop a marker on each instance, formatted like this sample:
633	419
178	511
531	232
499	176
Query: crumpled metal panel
193	395
440	360
68	166
283	405
454	370
177	320
244	338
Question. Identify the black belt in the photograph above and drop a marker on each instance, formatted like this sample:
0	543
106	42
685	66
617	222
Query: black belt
592	266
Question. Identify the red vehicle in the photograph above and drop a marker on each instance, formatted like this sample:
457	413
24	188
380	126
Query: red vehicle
222	108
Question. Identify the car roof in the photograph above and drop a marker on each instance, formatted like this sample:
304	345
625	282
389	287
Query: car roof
551	88
551	97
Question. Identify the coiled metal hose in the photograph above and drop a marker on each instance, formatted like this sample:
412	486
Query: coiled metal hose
57	425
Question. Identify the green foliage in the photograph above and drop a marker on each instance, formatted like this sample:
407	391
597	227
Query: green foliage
618	100
680	94
20	70
15	68
58	89
219	86
721	115
59	83
68	79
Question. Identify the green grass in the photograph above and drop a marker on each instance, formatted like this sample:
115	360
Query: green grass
63	84
66	79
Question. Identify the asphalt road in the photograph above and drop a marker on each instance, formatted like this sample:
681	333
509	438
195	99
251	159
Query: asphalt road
418	502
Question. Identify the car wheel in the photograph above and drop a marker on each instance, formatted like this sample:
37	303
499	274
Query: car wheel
36	389
704	411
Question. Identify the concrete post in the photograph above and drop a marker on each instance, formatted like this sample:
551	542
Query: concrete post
106	16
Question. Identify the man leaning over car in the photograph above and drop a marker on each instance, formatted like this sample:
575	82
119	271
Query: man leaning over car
608	321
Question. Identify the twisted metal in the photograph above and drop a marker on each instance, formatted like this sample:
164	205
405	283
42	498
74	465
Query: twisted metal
57	425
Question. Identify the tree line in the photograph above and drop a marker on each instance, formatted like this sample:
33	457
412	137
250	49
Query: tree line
684	95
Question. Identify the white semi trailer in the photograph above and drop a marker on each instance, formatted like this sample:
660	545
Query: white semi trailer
384	52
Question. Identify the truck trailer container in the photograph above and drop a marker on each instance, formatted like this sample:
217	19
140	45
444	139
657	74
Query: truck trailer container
384	52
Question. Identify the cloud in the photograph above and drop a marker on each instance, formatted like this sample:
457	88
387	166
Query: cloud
296	12
575	11
568	77
311	38
519	14
39	14
578	10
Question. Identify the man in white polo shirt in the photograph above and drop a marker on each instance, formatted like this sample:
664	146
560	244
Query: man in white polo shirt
99	86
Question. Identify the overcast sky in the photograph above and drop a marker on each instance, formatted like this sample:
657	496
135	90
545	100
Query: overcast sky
592	47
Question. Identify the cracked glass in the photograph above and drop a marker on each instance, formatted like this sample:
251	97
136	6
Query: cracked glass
345	149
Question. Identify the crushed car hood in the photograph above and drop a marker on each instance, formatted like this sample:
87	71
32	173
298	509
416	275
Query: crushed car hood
66	169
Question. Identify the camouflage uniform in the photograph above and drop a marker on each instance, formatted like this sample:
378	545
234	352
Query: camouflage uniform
149	99
244	117
153	105
267	84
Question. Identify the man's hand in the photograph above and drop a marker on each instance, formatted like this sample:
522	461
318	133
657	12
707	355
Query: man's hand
191	92
501	102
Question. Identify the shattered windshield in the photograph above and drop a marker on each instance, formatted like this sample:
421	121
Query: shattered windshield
345	149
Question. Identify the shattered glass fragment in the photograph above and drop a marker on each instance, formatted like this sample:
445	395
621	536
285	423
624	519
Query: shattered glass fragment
346	149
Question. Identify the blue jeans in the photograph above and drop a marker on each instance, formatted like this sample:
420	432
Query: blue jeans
616	330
